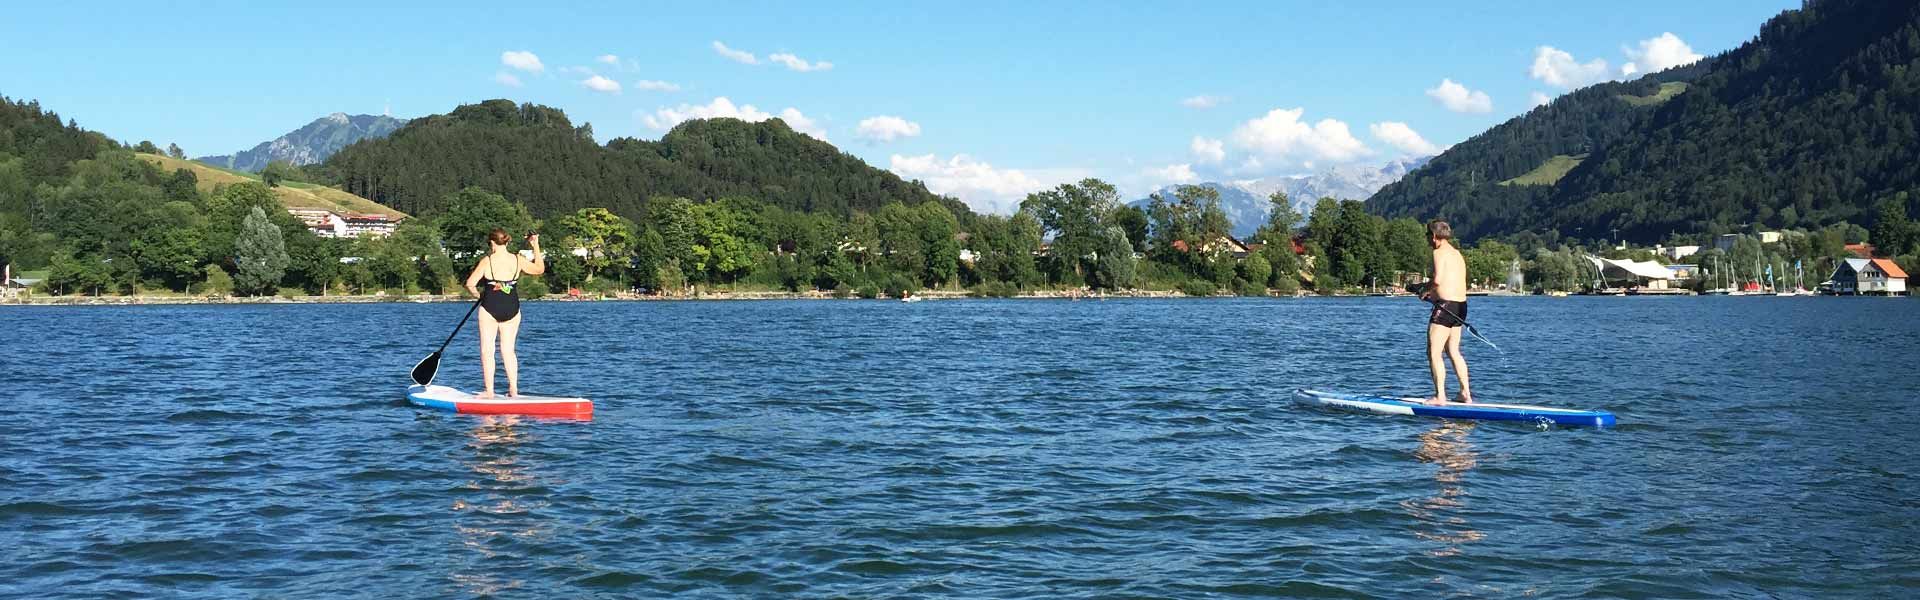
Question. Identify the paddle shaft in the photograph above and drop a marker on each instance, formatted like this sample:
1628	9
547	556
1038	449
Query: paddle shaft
456	328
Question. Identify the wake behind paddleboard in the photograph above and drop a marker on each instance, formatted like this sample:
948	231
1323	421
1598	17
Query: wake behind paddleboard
1451	410
452	400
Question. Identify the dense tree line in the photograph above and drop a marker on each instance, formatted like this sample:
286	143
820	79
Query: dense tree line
1812	123
535	155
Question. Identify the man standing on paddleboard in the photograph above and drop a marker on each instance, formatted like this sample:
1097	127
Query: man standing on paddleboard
1448	293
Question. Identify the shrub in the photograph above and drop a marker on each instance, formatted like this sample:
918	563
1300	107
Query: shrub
1198	288
531	288
995	289
898	286
1248	288
869	291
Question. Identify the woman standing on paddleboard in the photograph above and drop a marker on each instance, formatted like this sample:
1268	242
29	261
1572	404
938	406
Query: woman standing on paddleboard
493	281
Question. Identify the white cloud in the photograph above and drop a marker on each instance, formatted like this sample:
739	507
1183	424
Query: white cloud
1181	173
982	186
1539	99
721	107
1281	134
885	128
654	85
1208	150
609	59
1559	69
1399	135
799	64
506	79
1202	101
1458	98
739	56
601	84
1659	53
522	60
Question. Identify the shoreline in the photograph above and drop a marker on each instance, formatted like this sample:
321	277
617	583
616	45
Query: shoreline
453	298
173	300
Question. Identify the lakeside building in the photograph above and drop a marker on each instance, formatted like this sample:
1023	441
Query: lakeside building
329	224
1869	276
1684	272
1676	252
1724	243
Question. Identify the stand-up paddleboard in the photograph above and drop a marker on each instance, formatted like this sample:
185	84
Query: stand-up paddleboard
452	400
1454	410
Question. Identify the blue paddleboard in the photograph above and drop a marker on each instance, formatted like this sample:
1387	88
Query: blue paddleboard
1452	410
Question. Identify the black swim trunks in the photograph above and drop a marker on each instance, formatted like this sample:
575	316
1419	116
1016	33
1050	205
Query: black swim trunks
1447	313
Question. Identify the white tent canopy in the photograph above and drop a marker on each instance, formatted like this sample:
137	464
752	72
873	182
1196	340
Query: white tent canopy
1616	270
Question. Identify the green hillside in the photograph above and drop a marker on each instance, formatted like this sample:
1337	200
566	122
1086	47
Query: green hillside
292	194
1813	122
533	154
1548	173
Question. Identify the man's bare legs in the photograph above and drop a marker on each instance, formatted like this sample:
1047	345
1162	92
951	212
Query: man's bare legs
1459	364
1437	337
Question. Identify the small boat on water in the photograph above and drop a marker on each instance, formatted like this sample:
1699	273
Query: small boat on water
911	298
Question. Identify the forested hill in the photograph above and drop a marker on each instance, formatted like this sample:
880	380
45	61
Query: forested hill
1812	122
534	154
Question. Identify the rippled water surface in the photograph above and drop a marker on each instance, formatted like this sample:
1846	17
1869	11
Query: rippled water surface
1015	449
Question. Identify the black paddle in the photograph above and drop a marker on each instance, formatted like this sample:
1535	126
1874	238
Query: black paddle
423	373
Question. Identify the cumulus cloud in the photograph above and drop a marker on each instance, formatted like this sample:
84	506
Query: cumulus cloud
522	60
721	107
982	186
1458	98
1281	134
799	64
506	79
1401	136
1202	102
1539	99
601	84
654	85
609	59
885	128
1657	54
1208	150
1558	68
1181	173
739	56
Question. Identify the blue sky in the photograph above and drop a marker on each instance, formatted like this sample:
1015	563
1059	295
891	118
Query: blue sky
983	100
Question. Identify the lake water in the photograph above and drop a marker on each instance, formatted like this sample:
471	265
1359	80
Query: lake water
1015	448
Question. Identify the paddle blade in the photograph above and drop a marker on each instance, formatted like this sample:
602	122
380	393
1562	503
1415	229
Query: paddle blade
423	373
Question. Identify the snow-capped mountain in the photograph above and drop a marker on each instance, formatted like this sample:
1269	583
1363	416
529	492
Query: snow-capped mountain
1245	200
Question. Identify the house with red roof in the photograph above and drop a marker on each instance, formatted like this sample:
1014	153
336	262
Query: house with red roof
1869	276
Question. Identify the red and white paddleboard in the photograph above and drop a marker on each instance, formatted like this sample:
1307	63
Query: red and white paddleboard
453	400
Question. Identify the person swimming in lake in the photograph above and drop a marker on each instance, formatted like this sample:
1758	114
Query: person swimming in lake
493	281
1448	293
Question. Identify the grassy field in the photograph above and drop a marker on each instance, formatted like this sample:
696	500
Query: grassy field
1548	173
1667	91
293	194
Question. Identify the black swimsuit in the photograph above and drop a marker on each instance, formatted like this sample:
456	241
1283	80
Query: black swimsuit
498	297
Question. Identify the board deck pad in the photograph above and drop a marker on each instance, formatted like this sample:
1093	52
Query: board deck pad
1453	410
453	400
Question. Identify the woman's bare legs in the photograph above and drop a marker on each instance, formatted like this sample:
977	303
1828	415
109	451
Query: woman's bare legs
488	328
508	332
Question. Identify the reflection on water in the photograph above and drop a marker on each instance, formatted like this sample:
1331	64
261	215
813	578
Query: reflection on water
504	517
1442	517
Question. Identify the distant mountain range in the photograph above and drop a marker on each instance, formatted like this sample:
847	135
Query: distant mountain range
1245	200
310	144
